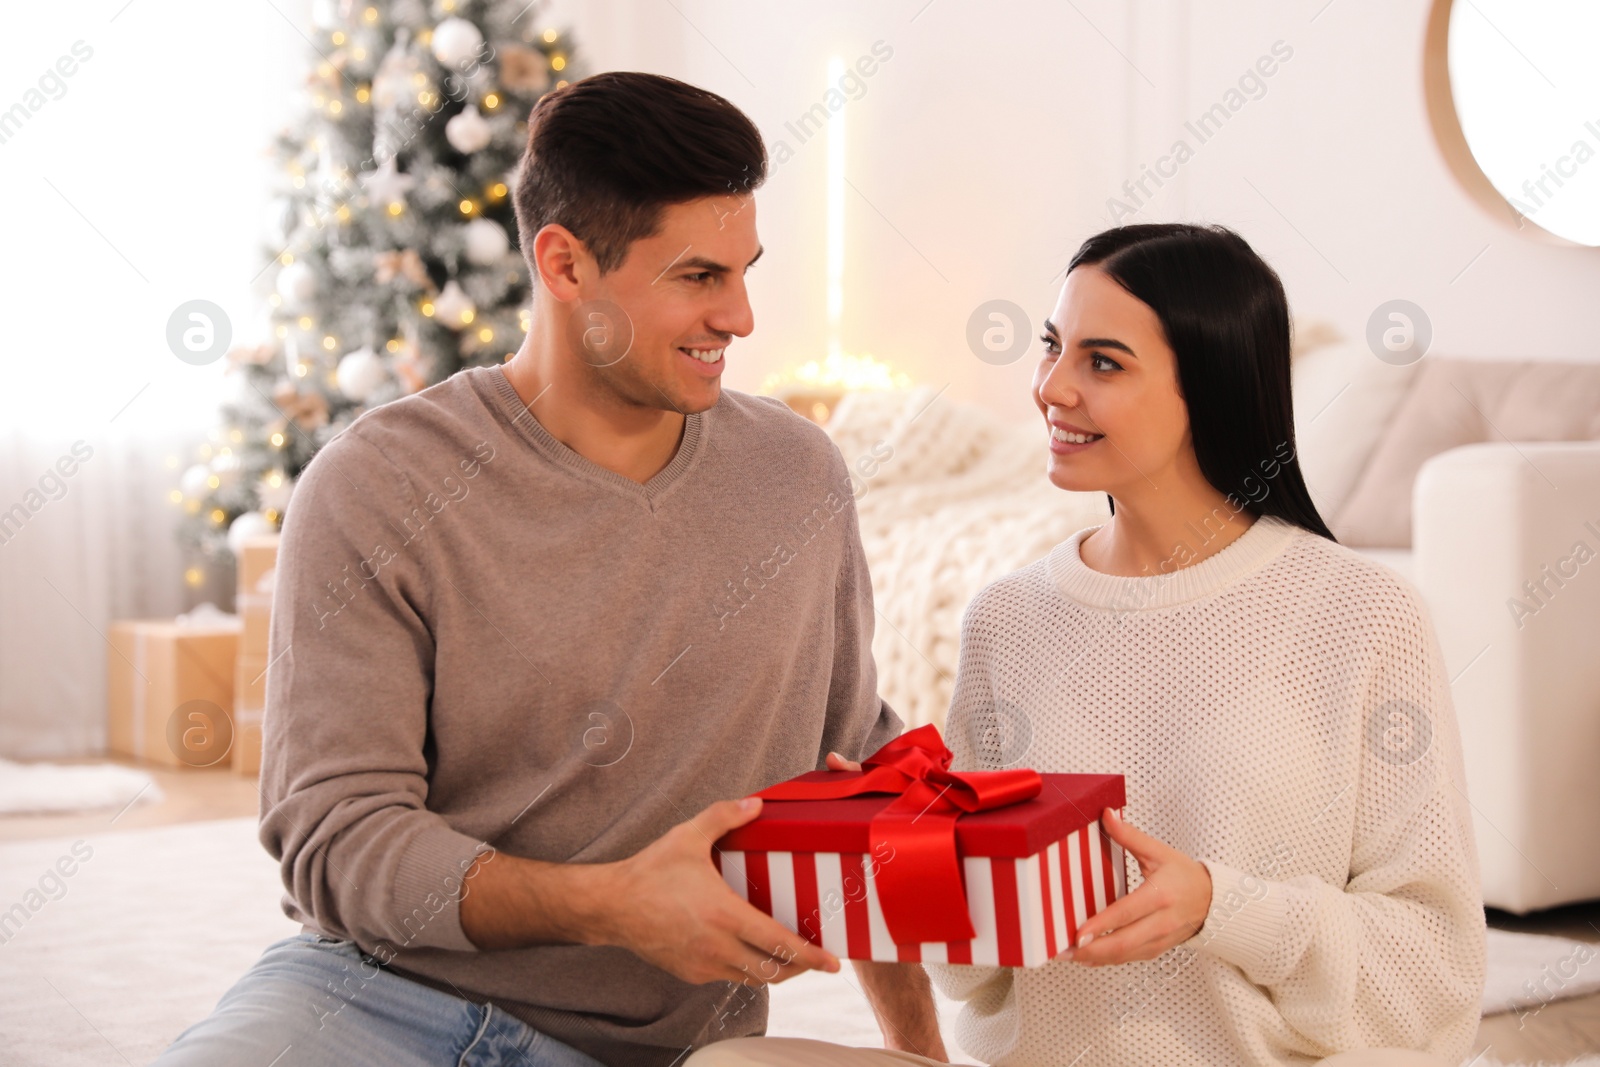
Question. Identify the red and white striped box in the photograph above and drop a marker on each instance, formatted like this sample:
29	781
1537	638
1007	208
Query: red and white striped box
1032	873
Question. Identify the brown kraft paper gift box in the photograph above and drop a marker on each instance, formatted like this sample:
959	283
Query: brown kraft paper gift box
170	690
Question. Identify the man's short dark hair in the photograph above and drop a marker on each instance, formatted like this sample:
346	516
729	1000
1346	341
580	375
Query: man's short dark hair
606	154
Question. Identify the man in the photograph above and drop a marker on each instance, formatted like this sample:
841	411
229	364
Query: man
539	627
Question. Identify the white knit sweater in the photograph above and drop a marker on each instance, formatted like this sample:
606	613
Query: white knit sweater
1281	713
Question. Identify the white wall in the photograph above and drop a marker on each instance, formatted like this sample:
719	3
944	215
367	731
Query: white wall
994	137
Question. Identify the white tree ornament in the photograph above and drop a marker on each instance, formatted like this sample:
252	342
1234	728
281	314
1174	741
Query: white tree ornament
486	242
453	306
468	132
455	42
359	373
297	284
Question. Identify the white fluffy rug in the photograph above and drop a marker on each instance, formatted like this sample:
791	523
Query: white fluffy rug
31	788
1528	970
112	961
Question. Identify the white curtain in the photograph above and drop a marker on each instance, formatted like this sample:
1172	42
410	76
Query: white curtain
102	549
133	178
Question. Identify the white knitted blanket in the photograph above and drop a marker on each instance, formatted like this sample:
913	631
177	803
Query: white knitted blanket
961	500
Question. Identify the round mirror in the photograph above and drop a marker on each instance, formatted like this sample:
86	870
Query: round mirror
1514	93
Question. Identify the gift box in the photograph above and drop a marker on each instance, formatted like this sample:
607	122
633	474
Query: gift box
249	707
170	688
246	756
258	555
906	860
258	558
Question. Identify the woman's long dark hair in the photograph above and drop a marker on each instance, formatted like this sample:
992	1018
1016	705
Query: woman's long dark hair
1227	320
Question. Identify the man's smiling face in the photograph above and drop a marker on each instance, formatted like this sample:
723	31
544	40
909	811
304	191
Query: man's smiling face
682	300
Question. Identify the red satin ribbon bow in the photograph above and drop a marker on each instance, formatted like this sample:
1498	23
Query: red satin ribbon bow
919	885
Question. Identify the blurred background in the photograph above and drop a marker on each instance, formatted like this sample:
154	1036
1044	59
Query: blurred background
232	228
987	142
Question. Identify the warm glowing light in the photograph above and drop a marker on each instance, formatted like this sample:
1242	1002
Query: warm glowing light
214	482
329	343
370	14
498	190
299	182
300	370
277	440
558	62
468	207
275	479
271	515
236	435
194	576
467	316
491	101
217	515
427	308
176	496
396	207
282	331
393	345
363	94
337	37
550	36
305	322
839	370
335	106
486	334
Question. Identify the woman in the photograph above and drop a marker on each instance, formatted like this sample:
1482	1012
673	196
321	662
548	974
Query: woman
1306	879
1276	701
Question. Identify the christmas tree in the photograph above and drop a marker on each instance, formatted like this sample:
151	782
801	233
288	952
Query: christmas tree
393	246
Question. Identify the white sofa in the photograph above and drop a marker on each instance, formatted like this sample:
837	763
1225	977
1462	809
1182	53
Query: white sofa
1480	481
951	497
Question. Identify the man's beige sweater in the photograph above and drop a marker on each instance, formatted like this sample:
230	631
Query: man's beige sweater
482	639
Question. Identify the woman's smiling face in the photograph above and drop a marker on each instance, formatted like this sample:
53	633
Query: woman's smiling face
1107	374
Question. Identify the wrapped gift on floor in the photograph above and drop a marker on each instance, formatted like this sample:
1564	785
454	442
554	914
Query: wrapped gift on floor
170	688
258	558
906	860
247	740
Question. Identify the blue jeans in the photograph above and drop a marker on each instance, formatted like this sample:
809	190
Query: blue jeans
313	1001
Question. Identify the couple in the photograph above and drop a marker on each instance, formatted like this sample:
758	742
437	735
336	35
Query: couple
493	777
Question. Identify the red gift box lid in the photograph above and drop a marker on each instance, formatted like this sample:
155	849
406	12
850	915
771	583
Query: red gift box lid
1067	802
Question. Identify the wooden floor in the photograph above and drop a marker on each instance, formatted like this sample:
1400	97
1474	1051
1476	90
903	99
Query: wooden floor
1555	1033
